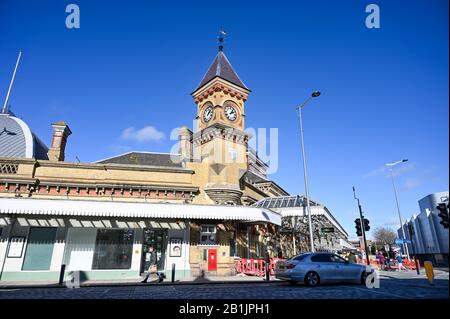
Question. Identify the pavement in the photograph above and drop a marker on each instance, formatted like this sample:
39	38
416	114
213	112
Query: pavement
240	278
393	285
133	282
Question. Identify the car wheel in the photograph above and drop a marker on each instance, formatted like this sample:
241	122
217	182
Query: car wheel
363	277
312	279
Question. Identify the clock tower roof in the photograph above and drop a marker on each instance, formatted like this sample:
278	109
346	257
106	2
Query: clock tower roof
222	68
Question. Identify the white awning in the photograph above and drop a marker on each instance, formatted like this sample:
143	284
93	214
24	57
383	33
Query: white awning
346	244
60	207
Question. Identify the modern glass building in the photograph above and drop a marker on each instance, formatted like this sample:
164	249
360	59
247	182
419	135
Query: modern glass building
430	238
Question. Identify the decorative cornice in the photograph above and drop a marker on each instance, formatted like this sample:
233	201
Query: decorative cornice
218	130
271	186
224	194
36	186
220	85
44	183
130	167
256	189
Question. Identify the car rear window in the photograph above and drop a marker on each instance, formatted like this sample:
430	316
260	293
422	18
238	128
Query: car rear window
301	257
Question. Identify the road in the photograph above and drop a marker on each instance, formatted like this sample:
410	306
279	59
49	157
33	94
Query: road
392	286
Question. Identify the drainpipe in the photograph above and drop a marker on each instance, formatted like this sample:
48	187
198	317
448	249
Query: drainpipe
187	240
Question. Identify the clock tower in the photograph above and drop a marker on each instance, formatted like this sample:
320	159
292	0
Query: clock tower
220	142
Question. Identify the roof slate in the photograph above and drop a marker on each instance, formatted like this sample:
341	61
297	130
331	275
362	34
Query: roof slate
145	159
222	68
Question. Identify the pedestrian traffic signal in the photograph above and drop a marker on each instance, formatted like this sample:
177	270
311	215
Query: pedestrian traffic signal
443	214
366	224
358	227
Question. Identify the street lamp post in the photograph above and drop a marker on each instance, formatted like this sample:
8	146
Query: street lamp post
300	108
390	165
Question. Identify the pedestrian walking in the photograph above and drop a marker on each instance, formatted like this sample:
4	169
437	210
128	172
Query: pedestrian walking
400	262
153	268
382	261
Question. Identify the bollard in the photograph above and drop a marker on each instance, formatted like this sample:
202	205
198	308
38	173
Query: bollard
267	267
61	274
429	271
173	273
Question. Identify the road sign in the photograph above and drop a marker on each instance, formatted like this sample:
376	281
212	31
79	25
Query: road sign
328	230
402	241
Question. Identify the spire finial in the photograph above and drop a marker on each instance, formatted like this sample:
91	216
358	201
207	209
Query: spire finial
221	38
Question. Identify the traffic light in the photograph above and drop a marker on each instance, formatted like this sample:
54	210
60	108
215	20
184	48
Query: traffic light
366	224
358	227
443	214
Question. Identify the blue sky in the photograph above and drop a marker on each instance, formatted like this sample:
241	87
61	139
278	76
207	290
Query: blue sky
384	91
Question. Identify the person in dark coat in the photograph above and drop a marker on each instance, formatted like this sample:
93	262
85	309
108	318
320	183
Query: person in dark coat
153	268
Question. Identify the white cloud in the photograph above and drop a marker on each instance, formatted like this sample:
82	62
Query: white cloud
401	169
412	183
392	222
375	172
397	171
145	134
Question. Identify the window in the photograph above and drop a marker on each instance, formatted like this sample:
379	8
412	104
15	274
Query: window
38	255
207	235
337	259
232	247
300	258
113	249
233	154
321	258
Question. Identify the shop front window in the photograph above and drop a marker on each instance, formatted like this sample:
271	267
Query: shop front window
38	255
156	238
207	235
113	249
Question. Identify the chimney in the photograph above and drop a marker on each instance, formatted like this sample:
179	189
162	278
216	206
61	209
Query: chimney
60	133
185	137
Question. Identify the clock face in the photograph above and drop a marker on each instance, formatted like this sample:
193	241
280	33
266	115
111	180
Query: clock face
207	114
230	113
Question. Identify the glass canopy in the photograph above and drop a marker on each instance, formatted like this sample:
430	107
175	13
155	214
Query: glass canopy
284	201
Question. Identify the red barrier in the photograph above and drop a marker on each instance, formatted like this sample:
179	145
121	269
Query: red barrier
393	264
255	267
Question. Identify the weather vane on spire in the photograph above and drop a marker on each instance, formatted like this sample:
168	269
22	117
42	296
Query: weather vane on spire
221	39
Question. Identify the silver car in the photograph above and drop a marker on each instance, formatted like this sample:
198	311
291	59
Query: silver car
316	268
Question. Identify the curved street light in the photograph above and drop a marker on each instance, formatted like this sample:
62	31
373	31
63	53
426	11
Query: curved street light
390	165
299	109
